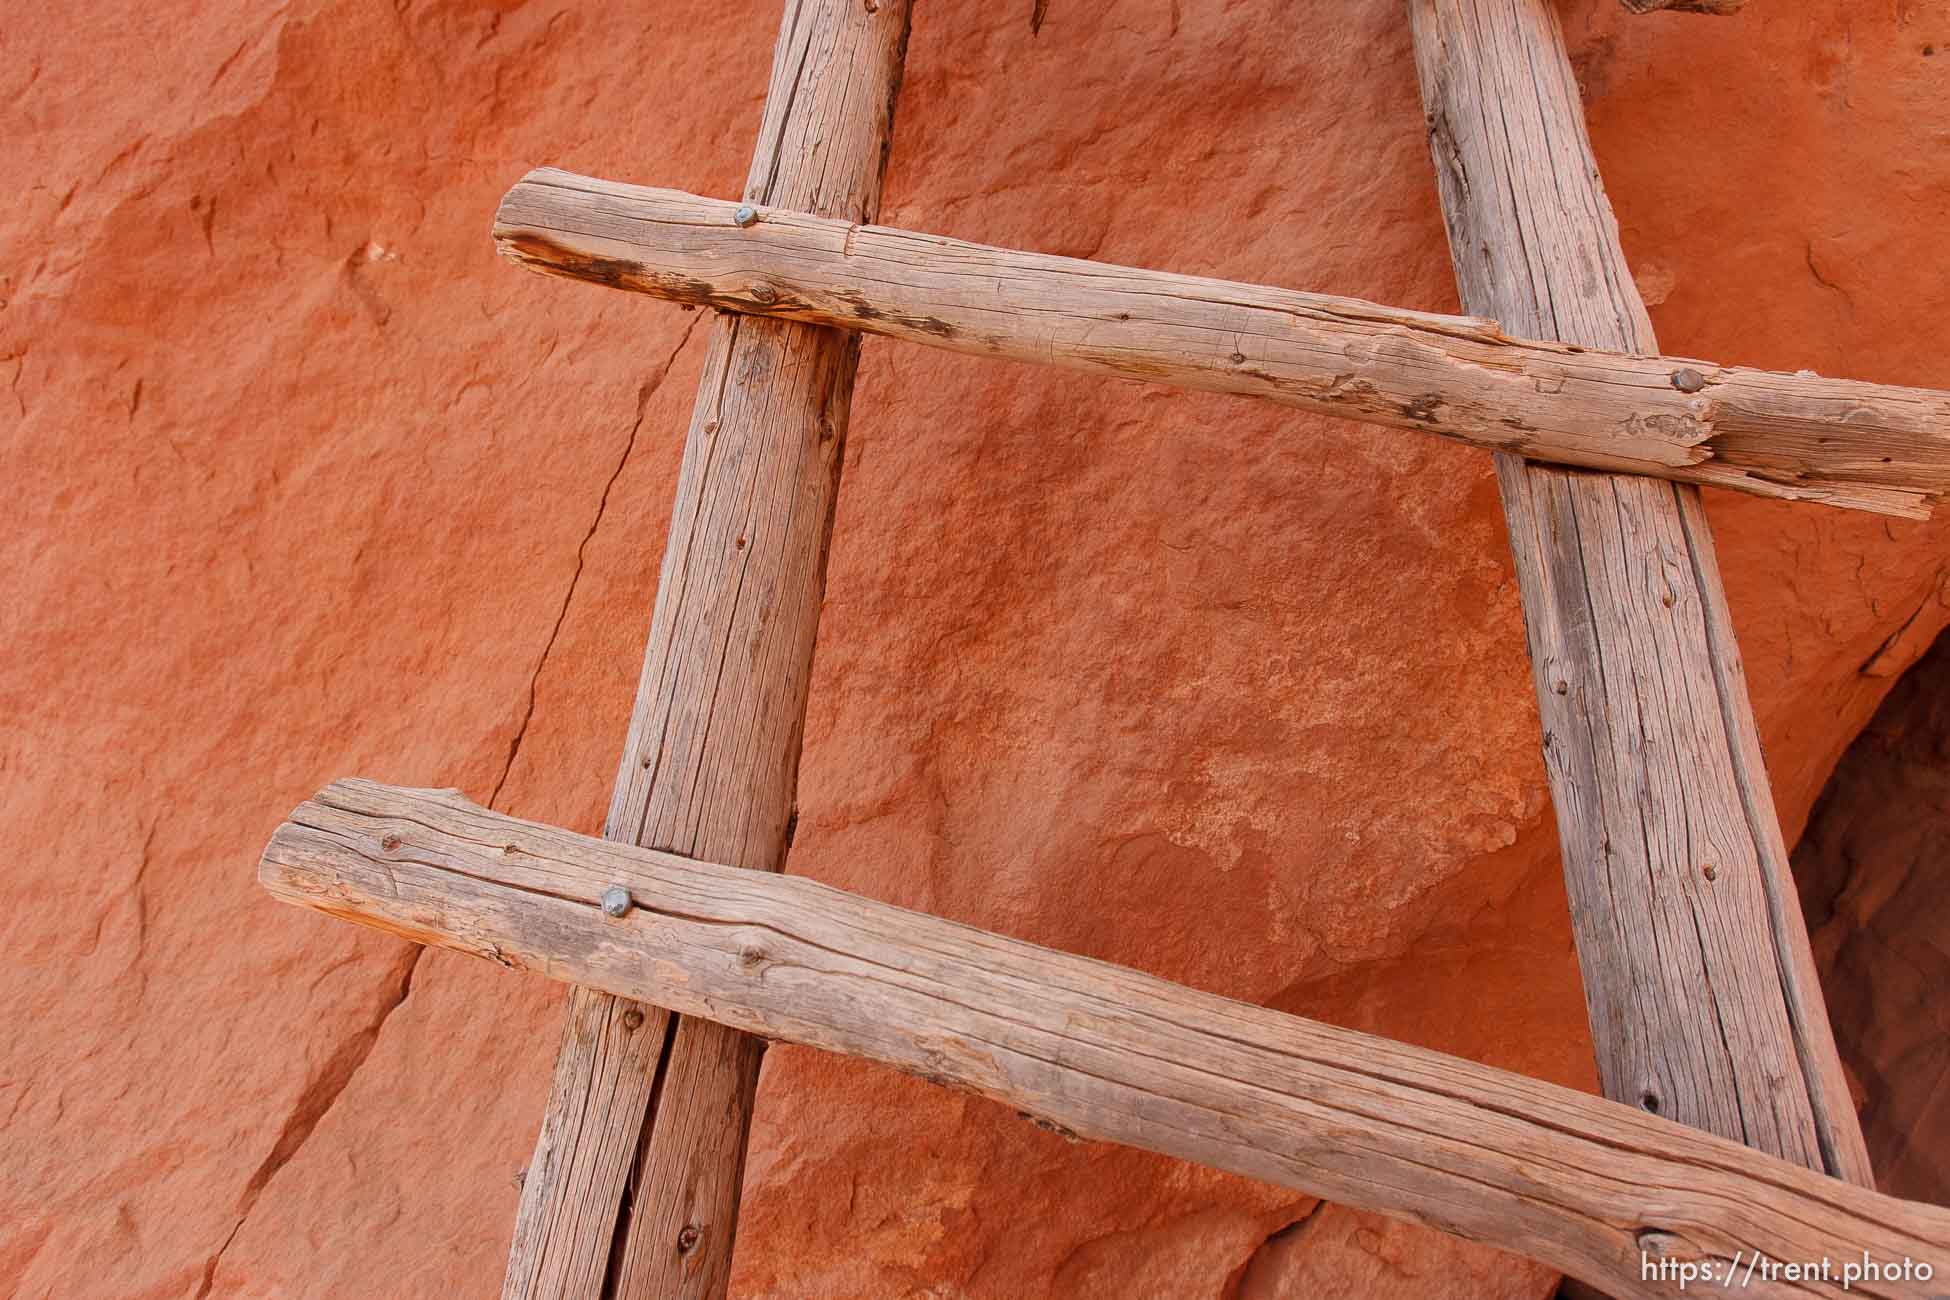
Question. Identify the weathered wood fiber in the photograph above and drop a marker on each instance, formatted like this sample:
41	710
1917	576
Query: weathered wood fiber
1685	6
1869	446
609	1055
1592	1187
1701	988
711	763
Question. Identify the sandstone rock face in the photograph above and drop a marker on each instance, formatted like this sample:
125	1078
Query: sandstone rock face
1875	882
303	482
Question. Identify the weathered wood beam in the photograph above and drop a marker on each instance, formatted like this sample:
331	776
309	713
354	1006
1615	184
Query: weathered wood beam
1870	446
1685	6
1600	1190
1702	993
633	1191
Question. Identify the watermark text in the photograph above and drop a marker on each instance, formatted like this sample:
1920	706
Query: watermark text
1750	1266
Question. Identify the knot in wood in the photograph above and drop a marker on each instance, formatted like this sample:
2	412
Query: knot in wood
1657	1243
687	1238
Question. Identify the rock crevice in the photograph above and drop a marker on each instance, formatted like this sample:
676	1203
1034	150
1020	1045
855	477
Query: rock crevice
1873	868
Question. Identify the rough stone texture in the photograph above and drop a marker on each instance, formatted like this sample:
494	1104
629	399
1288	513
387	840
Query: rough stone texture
1335	1251
1873	881
303	482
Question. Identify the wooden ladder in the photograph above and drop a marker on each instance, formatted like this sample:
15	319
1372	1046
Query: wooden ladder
1702	993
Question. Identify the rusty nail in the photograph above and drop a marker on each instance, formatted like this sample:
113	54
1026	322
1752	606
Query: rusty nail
616	901
745	215
633	1019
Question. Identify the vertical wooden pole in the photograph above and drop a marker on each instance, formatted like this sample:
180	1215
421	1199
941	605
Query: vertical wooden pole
1701	989
633	1191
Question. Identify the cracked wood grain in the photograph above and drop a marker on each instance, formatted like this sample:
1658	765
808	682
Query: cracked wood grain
633	1191
1685	6
1701	988
1615	406
1098	1050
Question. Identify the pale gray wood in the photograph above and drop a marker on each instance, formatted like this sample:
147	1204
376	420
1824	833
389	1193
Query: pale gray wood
609	1054
1702	993
1870	446
1095	1050
710	766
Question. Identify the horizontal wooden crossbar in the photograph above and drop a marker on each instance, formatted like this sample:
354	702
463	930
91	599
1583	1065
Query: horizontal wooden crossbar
1846	443
1589	1186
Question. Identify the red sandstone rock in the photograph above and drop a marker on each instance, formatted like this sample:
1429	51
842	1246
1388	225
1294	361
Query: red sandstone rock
305	483
1875	888
1340	1252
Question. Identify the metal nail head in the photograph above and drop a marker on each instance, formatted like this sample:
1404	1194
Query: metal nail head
745	215
616	901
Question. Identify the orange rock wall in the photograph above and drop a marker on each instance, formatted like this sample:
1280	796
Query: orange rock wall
303	482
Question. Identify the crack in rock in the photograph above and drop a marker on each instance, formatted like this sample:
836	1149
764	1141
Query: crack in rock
1283	1238
317	1098
643	397
330	1083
